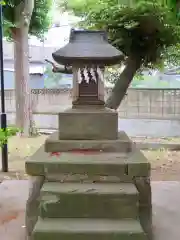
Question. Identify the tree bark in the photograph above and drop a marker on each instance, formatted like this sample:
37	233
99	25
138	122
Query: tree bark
21	58
22	91
18	73
119	90
60	69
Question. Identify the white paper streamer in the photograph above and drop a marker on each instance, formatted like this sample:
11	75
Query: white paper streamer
86	74
101	78
86	70
96	77
79	75
93	74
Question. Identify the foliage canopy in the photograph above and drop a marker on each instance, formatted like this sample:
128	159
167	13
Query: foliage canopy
40	19
147	29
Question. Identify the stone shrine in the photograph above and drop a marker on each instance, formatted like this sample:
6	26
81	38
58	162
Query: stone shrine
88	181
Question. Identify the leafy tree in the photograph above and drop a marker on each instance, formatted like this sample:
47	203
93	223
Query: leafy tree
21	19
39	20
147	32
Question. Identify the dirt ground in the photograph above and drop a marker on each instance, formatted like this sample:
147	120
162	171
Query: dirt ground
165	164
157	140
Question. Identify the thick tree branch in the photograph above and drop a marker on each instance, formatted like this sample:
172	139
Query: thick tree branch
119	90
59	68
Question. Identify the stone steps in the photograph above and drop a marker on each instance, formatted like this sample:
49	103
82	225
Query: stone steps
83	200
86	195
88	229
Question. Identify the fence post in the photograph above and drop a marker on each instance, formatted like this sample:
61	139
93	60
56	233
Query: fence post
3	114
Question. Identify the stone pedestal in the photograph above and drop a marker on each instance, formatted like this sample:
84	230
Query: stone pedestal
88	123
93	183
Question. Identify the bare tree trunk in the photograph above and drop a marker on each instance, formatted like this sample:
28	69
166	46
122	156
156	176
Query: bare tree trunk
21	53
122	84
22	91
19	99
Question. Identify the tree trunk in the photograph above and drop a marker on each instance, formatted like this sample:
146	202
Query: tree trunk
122	84
22	90
18	76
21	58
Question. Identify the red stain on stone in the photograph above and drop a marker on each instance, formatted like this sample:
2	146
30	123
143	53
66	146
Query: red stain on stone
8	218
57	154
77	151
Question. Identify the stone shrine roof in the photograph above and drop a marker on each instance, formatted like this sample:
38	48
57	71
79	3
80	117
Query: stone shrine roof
87	46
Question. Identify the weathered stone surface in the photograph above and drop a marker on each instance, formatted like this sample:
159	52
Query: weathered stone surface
87	229
32	205
108	164
97	200
42	163
122	144
112	160
138	164
84	178
144	187
88	124
145	203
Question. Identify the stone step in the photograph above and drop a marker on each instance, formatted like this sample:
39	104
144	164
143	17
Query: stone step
76	200
84	178
94	164
121	144
88	229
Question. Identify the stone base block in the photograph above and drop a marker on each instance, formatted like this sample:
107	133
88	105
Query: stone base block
121	144
88	124
88	166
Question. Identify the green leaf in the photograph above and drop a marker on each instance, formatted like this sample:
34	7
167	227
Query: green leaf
2	3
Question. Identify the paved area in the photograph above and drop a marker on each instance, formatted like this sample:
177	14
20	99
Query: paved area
166	198
166	210
13	195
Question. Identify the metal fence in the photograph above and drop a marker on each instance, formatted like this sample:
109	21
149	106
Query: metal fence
161	104
151	104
